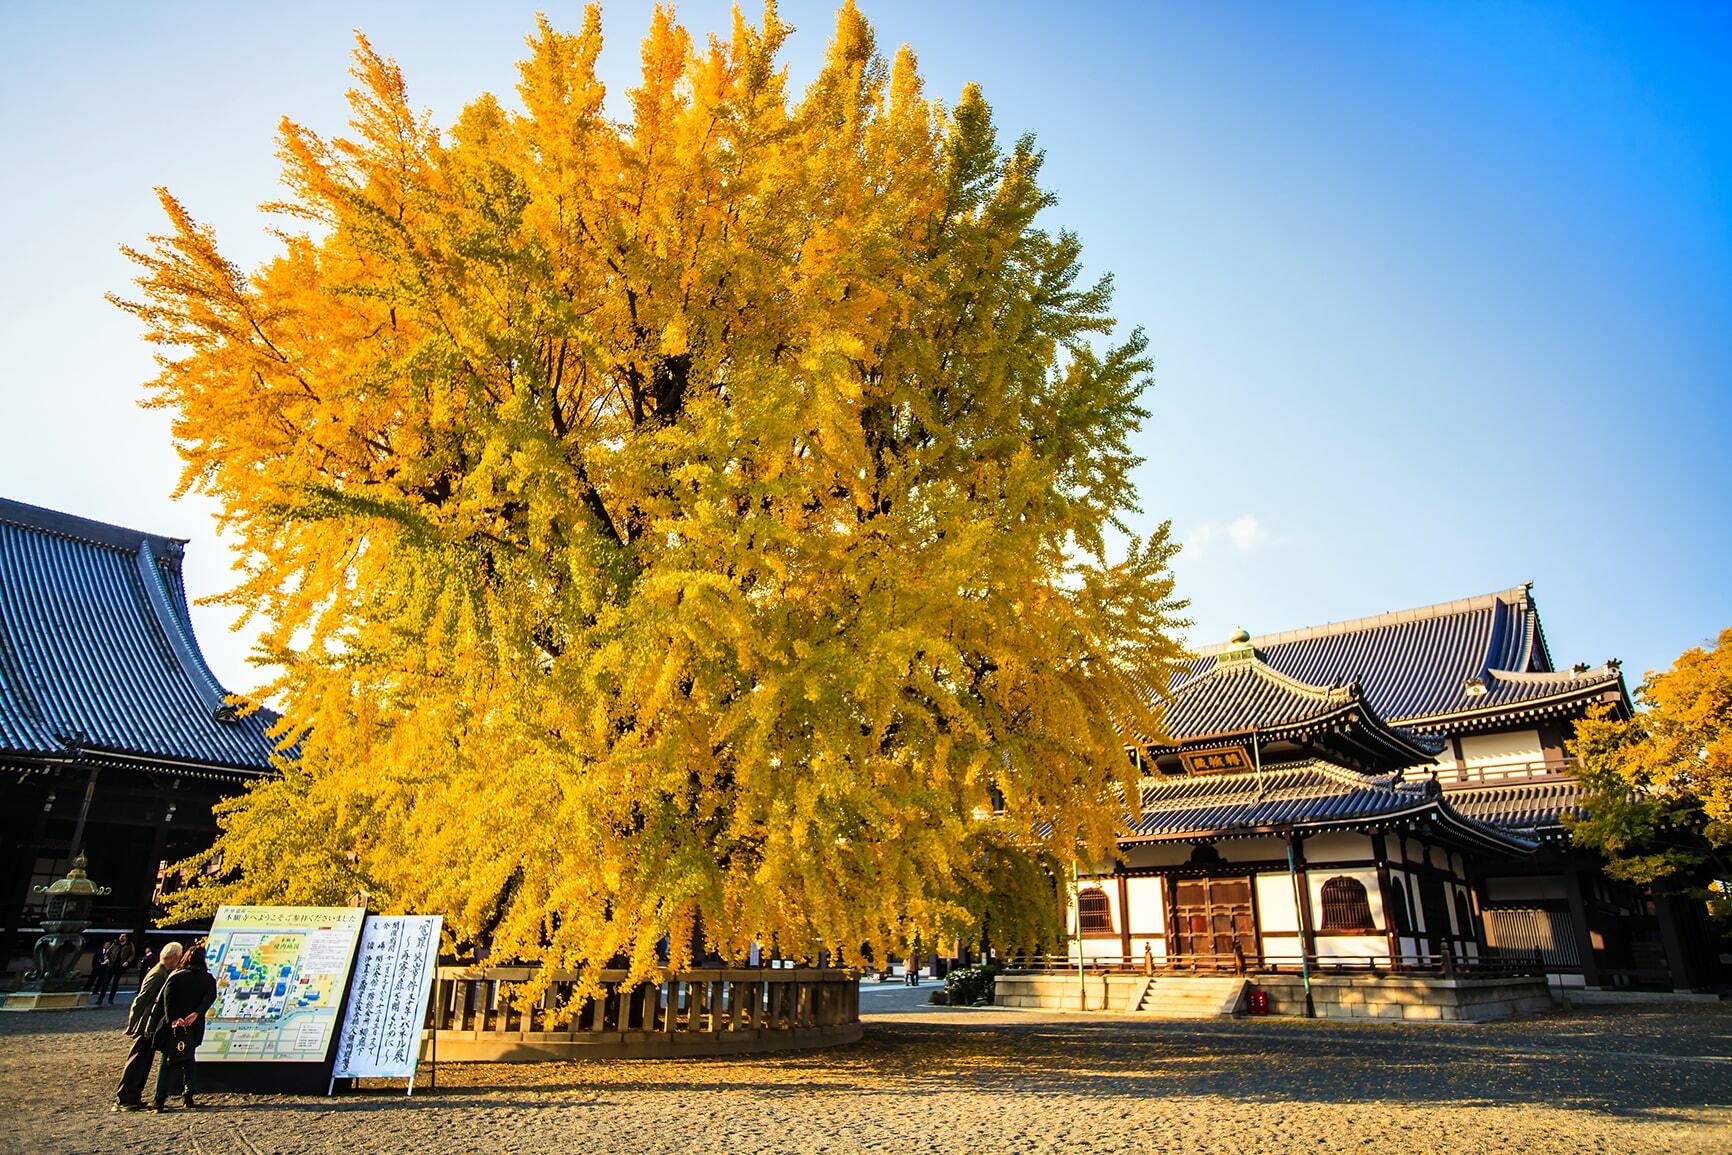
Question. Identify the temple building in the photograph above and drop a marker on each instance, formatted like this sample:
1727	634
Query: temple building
115	737
1388	794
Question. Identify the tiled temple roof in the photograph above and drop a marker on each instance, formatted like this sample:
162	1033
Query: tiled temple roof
1431	669
1239	696
97	653
1534	808
1312	794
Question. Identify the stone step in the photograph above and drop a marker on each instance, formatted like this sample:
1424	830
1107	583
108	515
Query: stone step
1192	997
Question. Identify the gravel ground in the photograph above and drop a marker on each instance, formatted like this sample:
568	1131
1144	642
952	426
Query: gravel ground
942	1080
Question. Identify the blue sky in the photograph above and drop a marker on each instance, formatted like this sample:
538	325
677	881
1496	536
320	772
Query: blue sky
1440	295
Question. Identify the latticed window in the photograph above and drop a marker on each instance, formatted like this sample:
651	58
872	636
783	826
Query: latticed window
1345	905
1096	916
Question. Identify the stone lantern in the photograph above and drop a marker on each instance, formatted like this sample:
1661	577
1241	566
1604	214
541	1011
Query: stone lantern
54	984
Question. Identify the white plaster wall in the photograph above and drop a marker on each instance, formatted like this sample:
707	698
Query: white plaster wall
1179	853
1102	947
1148	913
1336	846
1351	945
1460	895
1513	746
1416	917
1519	889
1276	908
1155	853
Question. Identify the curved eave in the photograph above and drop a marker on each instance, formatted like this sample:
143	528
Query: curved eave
134	760
1530	710
1462	828
1351	716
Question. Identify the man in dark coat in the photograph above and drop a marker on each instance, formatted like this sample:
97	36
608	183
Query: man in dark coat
141	1023
98	973
186	996
122	954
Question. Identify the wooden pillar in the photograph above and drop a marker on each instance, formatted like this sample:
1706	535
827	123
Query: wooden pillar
1392	933
1677	959
1579	923
1125	917
1302	884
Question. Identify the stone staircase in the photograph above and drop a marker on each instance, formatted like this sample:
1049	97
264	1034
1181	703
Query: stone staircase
1190	996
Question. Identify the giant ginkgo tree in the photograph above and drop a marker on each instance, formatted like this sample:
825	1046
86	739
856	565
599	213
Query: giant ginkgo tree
701	521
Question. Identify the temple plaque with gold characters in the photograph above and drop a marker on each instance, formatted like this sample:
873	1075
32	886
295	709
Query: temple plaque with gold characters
1223	760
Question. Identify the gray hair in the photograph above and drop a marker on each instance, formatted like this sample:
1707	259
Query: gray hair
171	951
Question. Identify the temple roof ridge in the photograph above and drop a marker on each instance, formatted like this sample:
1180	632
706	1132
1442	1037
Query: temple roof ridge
1605	671
1516	597
1332	694
1451	666
88	530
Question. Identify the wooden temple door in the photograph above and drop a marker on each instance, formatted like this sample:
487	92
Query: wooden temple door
1212	916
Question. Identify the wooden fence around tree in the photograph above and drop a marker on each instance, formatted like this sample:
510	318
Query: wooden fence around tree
697	1012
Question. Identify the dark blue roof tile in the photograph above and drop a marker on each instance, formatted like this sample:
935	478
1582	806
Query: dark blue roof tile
1420	668
97	651
1535	806
1303	794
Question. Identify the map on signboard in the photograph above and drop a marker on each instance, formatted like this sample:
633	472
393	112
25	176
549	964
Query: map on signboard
280	973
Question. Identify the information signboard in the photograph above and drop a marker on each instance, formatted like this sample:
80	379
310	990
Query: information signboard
280	973
394	971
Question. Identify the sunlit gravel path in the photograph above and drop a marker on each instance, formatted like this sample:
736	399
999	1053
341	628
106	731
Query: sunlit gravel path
955	1080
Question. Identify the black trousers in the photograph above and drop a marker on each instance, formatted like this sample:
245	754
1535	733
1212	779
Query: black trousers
110	986
173	1078
132	1079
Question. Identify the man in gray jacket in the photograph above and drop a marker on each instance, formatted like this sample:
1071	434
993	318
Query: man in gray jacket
141	1024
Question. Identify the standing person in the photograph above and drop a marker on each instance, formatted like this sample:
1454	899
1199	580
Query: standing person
186	997
99	961
141	1023
123	955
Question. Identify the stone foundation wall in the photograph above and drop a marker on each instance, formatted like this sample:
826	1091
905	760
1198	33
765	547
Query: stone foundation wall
542	1047
1064	992
1381	996
1407	997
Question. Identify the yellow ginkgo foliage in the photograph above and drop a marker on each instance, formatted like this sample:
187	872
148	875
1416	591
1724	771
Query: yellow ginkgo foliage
690	528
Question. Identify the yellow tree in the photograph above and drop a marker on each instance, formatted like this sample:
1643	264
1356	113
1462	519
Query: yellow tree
1658	785
701	521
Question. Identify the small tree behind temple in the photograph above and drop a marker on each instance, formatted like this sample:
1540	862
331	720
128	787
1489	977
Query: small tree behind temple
1658	786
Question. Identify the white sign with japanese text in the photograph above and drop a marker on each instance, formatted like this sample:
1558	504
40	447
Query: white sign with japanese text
394	972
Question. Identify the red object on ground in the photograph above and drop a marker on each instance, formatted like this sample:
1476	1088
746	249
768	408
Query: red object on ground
1258	1002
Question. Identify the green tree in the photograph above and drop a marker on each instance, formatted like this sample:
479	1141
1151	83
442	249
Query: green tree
700	521
1658	785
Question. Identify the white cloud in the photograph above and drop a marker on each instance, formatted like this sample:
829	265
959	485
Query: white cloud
1244	533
